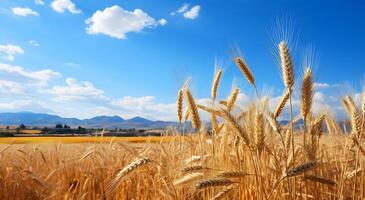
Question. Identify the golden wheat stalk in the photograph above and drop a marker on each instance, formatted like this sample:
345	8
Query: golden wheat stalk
351	174
232	98
307	94
193	110
180	99
245	70
317	125
356	123
186	115
349	104
286	65
321	180
279	108
231	174
232	122
124	172
288	139
215	85
209	110
259	132
297	170
193	169
275	125
223	193
189	178
356	141
215	182
214	122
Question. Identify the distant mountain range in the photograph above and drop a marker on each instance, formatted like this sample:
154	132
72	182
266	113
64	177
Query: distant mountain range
111	122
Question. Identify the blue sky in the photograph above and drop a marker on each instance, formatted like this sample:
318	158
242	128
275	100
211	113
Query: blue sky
80	59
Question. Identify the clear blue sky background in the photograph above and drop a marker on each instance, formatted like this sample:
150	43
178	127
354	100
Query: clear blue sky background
155	61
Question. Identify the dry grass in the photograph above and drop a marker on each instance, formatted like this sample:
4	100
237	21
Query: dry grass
248	155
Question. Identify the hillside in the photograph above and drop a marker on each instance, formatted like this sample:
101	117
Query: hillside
111	122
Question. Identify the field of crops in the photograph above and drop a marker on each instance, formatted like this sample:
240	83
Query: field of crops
246	154
84	139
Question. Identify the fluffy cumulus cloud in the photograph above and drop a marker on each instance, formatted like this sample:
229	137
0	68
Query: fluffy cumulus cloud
75	90
24	12
192	13
9	51
187	13
145	106
182	9
117	22
61	6
39	2
20	88
15	80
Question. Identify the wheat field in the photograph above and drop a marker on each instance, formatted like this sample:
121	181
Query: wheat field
246	154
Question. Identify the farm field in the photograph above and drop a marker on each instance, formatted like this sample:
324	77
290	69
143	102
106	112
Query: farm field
241	153
178	100
85	139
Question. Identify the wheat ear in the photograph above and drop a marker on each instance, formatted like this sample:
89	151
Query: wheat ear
279	108
215	182
215	85
321	180
188	179
193	169
286	65
356	122
297	170
349	104
193	110
245	70
180	99
307	93
259	132
232	122
124	172
232	98
231	174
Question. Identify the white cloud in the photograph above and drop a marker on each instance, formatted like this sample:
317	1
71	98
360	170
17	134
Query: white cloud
72	64
39	2
192	13
162	22
9	51
41	75
75	90
22	11
117	22
61	6
25	105
319	86
34	43
145	106
182	9
15	104
11	87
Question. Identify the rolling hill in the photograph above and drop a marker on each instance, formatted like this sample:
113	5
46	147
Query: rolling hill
111	122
